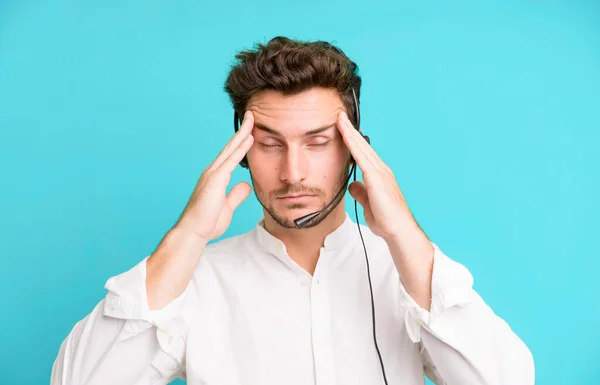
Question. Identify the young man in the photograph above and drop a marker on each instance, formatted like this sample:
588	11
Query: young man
289	305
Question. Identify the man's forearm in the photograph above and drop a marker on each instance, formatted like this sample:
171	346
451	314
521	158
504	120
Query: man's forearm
413	254
171	267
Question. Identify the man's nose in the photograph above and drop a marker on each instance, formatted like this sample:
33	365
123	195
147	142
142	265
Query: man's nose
295	166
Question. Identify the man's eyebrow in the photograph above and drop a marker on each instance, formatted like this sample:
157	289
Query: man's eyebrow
315	131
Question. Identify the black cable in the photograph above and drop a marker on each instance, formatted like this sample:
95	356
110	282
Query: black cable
371	290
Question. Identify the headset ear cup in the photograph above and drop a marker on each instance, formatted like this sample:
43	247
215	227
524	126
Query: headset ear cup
244	163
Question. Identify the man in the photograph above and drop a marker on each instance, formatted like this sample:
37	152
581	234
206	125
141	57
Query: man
289	305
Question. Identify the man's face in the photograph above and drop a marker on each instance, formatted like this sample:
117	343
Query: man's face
298	161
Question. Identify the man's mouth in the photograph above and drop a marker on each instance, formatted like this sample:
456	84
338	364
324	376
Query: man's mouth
296	197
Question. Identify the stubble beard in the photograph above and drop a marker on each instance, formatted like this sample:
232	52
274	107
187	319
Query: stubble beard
290	189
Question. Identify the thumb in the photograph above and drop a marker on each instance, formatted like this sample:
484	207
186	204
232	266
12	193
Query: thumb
359	192
238	194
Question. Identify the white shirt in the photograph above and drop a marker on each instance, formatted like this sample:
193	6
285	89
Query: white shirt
253	316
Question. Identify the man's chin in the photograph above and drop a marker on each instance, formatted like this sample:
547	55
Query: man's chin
289	214
285	216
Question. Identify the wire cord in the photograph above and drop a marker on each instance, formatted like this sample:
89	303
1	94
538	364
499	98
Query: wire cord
371	290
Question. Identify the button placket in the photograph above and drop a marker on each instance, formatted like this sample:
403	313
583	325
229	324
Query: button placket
321	332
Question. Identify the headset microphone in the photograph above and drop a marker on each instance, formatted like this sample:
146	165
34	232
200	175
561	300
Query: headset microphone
302	221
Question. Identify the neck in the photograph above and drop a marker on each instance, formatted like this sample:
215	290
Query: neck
303	245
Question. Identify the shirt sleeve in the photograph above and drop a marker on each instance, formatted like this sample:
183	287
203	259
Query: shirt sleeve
462	341
123	342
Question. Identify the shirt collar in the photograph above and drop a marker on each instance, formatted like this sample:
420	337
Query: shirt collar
337	238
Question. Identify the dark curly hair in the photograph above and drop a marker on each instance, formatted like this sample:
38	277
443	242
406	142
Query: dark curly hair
291	67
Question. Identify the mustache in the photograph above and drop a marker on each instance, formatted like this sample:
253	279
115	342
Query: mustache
295	190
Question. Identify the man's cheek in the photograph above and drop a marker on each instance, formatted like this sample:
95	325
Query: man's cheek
256	159
252	151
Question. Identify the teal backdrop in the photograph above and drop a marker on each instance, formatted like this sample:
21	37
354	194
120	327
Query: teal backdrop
488	113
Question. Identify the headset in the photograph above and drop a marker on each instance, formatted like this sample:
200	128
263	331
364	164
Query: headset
302	221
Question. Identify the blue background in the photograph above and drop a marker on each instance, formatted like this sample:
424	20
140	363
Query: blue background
489	115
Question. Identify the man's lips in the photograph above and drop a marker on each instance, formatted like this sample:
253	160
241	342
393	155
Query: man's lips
298	196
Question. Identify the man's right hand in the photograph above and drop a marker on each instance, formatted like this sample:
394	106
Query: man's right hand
206	216
209	211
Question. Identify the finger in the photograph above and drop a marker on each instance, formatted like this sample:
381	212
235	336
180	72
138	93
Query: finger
237	155
358	191
235	141
238	194
353	143
362	143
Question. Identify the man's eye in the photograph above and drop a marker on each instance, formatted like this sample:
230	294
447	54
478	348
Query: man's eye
265	145
319	144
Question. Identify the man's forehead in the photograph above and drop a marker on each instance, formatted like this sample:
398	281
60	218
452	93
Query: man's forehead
295	114
312	100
